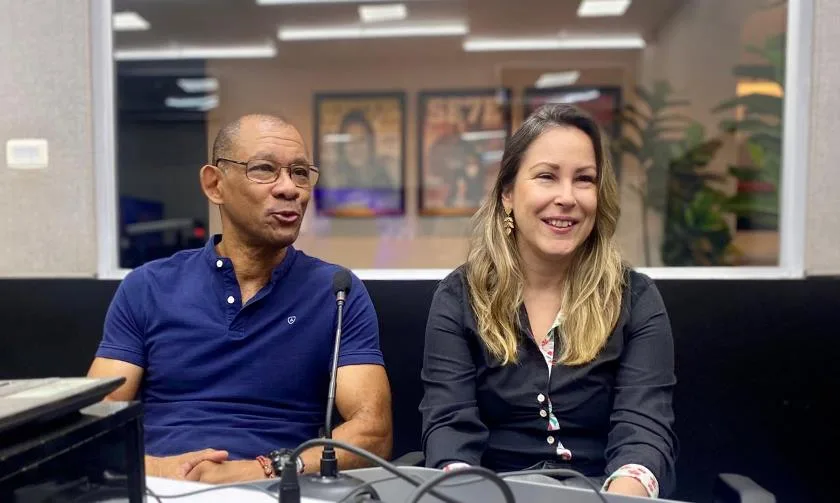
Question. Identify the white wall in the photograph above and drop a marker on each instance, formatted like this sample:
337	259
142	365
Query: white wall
822	255
47	220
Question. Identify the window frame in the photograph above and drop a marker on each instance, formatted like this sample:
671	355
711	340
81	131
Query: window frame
793	196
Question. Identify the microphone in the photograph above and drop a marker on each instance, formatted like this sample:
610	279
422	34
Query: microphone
341	287
329	484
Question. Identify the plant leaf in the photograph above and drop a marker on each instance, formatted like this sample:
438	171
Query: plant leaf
750	125
632	123
637	190
694	134
756	152
763	220
677	103
632	110
749	204
755	104
643	94
745	173
674	117
758	72
627	146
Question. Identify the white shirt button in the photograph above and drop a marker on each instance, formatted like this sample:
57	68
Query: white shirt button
550	440
541	398
219	263
543	413
231	300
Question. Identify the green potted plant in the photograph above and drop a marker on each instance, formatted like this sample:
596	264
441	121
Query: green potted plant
696	230
648	128
756	201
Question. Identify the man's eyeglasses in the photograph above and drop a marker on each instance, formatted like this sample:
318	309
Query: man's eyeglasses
260	171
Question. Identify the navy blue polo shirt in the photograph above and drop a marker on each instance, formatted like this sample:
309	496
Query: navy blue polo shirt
221	375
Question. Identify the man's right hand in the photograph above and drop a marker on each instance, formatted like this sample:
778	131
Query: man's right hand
177	467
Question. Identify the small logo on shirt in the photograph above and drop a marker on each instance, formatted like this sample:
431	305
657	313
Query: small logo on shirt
292	320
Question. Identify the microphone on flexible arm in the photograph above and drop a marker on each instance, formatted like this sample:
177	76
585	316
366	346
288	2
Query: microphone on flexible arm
341	288
329	485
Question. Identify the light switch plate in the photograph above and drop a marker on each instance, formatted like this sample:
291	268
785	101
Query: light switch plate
27	153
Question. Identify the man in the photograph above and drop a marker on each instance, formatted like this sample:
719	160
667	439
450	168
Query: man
229	346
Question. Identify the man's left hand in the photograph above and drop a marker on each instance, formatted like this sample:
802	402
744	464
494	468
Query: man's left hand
227	472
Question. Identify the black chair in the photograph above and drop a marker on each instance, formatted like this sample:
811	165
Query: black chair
732	488
403	308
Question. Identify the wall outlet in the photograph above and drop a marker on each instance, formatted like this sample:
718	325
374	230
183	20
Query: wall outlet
27	153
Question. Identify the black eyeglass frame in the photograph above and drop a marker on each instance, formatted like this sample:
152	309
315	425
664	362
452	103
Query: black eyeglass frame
314	172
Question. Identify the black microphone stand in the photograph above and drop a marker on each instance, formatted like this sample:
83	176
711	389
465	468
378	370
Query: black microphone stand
329	485
329	463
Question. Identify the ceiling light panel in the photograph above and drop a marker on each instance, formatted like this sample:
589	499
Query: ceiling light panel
129	21
557	79
382	13
311	2
602	8
361	31
197	52
554	43
198	85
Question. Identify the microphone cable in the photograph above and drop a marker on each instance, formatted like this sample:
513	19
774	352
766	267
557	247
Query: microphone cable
557	472
238	485
470	470
289	476
561	472
422	487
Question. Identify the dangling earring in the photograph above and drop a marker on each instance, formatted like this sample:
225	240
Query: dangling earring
508	221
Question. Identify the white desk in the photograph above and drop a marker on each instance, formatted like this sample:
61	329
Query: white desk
220	494
393	490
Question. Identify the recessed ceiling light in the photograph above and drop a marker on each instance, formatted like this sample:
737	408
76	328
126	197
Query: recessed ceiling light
382	13
601	8
129	21
558	79
575	96
511	44
197	52
303	2
493	134
201	103
554	43
205	85
358	31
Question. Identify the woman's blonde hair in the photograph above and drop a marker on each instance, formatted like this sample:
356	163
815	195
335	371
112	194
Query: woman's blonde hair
591	295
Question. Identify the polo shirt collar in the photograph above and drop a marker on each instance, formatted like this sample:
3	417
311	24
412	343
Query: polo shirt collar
216	261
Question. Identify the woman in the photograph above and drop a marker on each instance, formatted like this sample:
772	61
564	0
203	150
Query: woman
462	175
544	350
358	165
358	180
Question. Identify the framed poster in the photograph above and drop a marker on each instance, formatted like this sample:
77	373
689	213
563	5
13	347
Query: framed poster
359	146
461	140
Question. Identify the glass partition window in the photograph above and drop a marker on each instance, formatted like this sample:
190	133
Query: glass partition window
406	106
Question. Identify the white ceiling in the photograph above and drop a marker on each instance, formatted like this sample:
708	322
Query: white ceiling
233	22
